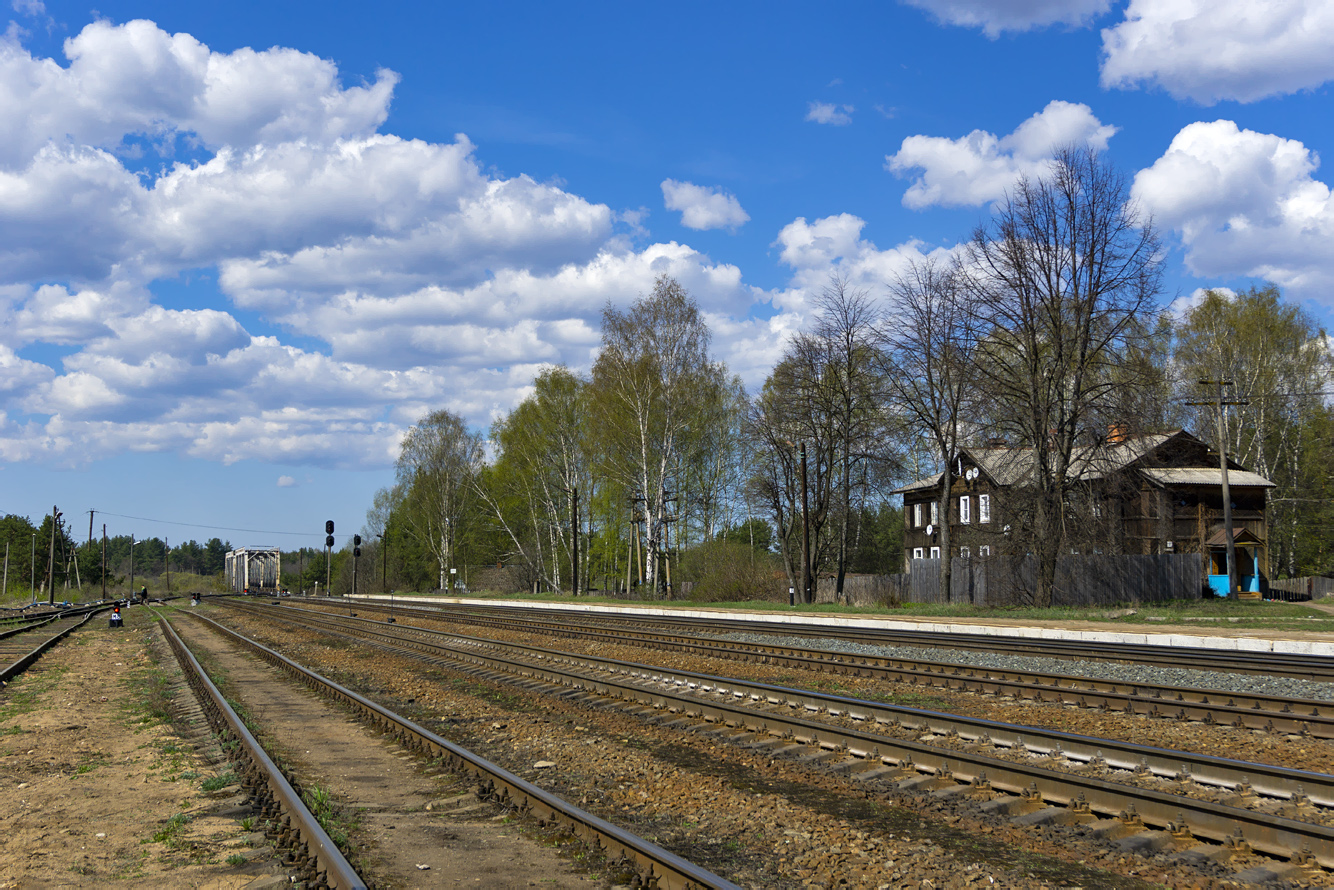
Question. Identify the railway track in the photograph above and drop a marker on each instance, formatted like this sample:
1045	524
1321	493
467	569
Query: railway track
1253	711
313	854
1149	797
21	647
1316	668
655	866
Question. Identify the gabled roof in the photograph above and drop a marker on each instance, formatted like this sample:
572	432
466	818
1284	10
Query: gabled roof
1239	536
1006	467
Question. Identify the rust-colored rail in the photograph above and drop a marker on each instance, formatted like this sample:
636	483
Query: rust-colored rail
14	652
656	867
1269	713
791	715
314	856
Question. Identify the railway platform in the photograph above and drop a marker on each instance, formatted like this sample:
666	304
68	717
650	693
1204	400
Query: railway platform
1221	635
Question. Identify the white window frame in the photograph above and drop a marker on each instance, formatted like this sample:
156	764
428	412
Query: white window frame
935	553
984	550
935	512
984	508
965	510
917	515
965	552
917	553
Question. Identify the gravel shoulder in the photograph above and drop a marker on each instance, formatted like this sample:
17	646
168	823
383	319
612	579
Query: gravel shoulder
755	819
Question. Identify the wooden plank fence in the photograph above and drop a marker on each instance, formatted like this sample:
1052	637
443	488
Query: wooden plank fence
1293	589
1097	580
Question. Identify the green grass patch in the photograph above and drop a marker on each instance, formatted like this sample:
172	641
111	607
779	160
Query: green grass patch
336	820
150	691
217	783
171	831
21	696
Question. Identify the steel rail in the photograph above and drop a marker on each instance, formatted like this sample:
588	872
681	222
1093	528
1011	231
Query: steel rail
1278	714
1303	667
655	866
317	857
730	702
23	662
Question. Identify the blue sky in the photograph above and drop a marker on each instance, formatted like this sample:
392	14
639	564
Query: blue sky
244	247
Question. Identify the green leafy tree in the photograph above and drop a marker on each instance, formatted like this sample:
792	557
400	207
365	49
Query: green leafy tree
652	384
436	471
542	471
17	534
1279	359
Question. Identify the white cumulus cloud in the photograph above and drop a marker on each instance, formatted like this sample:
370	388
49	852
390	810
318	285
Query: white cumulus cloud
997	16
834	245
382	276
828	113
1212	50
702	207
981	167
1244	203
286	482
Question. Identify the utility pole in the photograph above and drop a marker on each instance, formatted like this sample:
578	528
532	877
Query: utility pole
668	497
636	517
574	540
104	561
130	598
90	525
51	558
1219	403
167	558
808	595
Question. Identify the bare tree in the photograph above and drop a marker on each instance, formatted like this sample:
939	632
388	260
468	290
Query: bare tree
1056	279
930	344
844	377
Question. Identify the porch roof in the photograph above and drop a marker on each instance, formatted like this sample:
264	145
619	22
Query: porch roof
1239	537
1205	476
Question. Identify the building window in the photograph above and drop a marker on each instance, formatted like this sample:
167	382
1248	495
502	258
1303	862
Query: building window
935	553
984	508
965	552
917	515
965	510
935	512
984	550
917	553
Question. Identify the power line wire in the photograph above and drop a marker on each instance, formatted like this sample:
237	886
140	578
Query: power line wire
216	528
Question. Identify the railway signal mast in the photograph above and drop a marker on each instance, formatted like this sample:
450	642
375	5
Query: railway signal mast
356	557
328	556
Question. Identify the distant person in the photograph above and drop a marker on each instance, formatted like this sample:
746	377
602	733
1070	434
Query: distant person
143	595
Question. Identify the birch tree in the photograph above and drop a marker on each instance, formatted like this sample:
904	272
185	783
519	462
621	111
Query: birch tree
437	463
542	484
649	381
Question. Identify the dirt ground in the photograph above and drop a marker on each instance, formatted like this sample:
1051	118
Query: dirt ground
97	785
